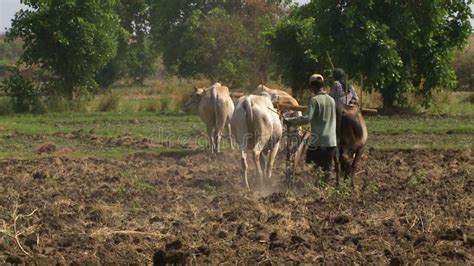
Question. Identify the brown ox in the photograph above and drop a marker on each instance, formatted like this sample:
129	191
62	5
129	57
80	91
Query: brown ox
278	97
215	108
352	135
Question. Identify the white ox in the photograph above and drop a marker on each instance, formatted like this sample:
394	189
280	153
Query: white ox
215	108
256	126
282	100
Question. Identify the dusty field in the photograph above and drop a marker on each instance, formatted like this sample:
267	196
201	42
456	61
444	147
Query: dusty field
408	207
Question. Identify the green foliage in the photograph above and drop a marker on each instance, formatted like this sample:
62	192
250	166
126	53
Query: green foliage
218	39
166	104
397	46
6	107
210	42
140	61
134	57
149	105
108	102
117	66
294	33
373	187
66	105
464	67
10	52
24	95
416	181
71	39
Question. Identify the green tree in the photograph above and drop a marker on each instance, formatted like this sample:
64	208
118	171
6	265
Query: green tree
219	39
464	67
71	39
294	33
116	68
140	60
397	46
24	95
210	47
134	57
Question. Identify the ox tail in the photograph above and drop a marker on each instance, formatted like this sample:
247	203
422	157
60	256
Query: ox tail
247	105
214	98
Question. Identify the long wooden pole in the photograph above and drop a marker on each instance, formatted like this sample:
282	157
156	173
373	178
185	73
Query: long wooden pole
302	108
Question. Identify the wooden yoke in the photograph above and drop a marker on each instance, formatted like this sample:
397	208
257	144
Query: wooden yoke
289	107
302	108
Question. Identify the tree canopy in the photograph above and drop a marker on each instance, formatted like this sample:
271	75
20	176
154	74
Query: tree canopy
218	39
72	40
396	46
135	58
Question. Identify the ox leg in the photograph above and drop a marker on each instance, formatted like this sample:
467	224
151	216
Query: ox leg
263	163
210	133
357	157
231	140
337	165
245	166
271	159
217	140
258	165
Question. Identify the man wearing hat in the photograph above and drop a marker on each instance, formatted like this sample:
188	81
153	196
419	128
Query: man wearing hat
321	114
339	89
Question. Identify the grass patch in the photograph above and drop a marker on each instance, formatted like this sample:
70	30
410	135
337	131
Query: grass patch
21	134
421	124
416	181
108	102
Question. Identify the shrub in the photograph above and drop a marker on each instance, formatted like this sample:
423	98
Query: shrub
6	106
108	102
166	104
464	67
24	95
61	105
149	105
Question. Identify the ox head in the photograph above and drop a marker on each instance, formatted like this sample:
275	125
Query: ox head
191	105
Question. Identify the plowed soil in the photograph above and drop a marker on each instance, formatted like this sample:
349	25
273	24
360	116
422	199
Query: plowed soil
407	207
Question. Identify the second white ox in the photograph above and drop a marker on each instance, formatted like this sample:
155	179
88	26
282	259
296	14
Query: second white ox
256	126
215	108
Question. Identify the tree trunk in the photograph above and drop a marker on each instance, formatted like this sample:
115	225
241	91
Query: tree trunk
389	96
69	91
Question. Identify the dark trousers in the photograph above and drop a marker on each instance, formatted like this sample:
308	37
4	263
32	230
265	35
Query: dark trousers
322	157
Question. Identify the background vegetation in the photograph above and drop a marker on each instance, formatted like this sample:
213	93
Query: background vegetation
68	56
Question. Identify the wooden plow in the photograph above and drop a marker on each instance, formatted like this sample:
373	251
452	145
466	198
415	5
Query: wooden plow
294	158
294	155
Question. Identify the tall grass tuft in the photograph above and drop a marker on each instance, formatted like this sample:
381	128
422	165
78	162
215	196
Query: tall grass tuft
61	105
149	105
166	104
108	102
6	106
